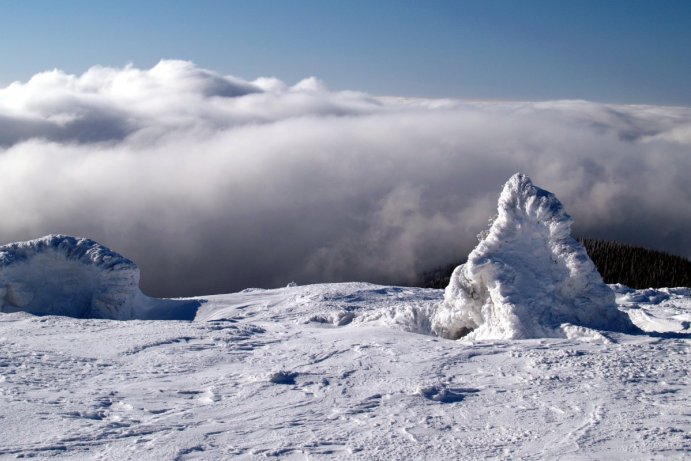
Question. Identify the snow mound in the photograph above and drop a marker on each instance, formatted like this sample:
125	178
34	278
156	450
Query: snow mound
527	277
76	277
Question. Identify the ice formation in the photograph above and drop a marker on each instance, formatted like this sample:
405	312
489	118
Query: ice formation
70	276
77	277
527	277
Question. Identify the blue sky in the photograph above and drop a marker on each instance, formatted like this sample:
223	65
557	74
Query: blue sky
608	50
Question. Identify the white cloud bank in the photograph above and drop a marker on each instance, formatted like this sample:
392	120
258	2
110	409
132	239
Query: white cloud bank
212	183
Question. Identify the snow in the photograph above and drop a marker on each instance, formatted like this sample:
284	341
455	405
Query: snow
350	370
78	277
657	310
261	374
527	277
64	275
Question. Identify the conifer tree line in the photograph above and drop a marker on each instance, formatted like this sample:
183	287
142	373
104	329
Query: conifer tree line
638	267
633	266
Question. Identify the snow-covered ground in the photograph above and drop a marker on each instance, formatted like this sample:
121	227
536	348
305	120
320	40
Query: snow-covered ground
341	371
551	362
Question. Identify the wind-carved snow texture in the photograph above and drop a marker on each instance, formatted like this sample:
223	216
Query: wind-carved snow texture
77	277
527	277
258	376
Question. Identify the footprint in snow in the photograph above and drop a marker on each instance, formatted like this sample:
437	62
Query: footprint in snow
283	377
441	393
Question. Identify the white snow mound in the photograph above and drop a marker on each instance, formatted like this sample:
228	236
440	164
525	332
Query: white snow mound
527	278
77	277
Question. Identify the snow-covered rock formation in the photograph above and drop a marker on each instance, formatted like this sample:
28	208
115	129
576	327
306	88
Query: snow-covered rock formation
527	278
77	277
62	275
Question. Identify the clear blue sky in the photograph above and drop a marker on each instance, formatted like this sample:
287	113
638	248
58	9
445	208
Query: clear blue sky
628	51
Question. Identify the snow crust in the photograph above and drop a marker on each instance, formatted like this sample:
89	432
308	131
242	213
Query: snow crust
527	277
337	371
77	277
279	373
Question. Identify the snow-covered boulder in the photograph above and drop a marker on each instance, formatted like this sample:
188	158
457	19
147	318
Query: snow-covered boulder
527	277
63	275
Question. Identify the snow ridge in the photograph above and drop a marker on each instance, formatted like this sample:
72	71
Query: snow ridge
527	277
83	250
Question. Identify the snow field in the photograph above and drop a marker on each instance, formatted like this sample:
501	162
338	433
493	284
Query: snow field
552	363
263	376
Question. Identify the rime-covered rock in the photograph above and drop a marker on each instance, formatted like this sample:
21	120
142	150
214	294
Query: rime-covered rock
63	275
78	277
527	277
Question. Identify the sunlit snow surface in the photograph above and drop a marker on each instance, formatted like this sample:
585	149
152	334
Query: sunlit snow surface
342	371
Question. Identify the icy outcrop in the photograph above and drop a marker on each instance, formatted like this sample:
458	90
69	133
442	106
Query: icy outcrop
77	277
62	275
527	278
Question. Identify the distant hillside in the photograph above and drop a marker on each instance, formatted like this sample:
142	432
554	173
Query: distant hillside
629	265
439	277
638	267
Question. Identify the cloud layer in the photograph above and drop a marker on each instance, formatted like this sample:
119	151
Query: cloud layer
213	183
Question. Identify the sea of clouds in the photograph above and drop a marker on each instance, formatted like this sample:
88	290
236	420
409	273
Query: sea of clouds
212	183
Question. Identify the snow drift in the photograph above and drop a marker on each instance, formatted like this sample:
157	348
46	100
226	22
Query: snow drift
77	277
527	277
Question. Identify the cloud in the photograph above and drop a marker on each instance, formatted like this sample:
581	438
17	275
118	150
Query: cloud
212	183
